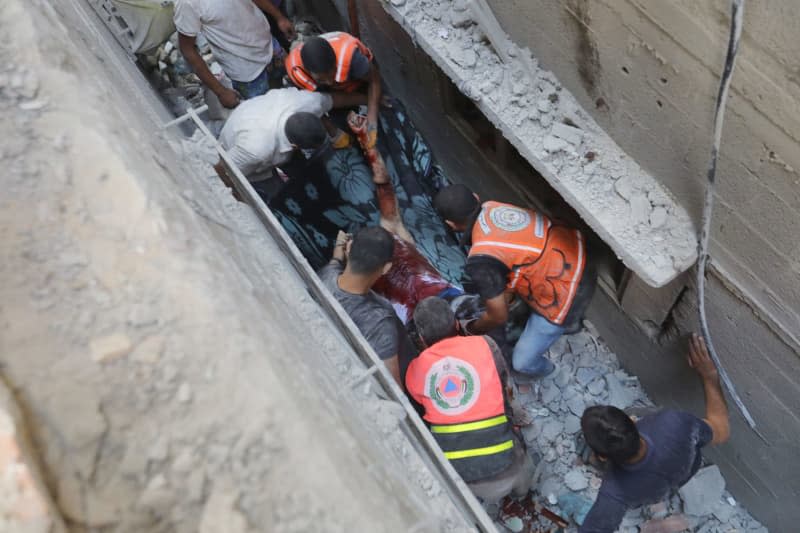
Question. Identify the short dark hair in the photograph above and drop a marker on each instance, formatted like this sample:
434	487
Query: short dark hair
305	130
434	320
372	248
610	433
456	203
318	56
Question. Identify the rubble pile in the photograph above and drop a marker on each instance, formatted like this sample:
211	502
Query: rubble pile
588	373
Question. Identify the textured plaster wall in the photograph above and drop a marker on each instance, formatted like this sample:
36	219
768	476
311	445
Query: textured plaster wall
648	71
672	51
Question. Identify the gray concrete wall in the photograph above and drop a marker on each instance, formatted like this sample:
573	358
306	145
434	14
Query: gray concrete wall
672	52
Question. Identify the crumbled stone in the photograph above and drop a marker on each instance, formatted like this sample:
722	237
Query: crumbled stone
618	395
514	524
576	480
596	387
110	347
572	135
550	392
572	424
702	493
658	217
585	376
624	187
554	144
640	209
220	513
576	405
552	429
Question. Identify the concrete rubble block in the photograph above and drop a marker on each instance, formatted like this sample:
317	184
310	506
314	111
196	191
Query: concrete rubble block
109	347
619	395
703	492
576	405
586	376
550	393
671	524
554	144
572	135
596	387
551	430
25	504
576	480
640	209
572	424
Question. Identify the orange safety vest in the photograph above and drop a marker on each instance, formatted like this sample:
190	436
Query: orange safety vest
546	260
457	383
344	45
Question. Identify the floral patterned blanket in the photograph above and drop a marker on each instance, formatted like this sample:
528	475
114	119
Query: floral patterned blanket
337	193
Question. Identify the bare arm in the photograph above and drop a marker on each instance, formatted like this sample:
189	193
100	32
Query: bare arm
496	314
284	24
716	408
227	97
393	366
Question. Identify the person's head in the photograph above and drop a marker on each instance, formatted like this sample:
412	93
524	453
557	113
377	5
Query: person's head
319	60
457	204
610	433
370	252
434	320
305	131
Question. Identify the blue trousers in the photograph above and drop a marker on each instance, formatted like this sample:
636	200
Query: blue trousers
539	335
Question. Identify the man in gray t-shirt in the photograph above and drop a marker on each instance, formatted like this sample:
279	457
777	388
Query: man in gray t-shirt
354	269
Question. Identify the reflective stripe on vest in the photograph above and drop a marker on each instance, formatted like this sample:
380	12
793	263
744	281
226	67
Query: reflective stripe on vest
344	45
546	261
471	426
479	452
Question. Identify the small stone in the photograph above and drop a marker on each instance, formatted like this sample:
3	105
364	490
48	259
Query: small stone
550	392
723	511
563	376
576	405
584	376
110	347
576	480
184	393
514	524
619	396
658	217
572	135
572	424
551	430
703	492
543	105
551	499
640	209
624	187
554	144
596	387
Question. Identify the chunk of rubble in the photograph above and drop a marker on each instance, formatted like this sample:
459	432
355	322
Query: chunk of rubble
619	395
109	347
703	492
576	480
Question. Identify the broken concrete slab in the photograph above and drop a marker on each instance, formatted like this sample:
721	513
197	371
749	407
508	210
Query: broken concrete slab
576	480
703	493
619	395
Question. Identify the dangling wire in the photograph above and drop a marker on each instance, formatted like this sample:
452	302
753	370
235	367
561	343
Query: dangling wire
737	16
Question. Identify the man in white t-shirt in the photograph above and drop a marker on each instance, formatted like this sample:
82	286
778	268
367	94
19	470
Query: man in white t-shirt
240	38
266	131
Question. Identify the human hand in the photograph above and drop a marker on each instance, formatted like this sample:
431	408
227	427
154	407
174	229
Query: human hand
357	123
372	135
700	360
286	26
339	249
228	98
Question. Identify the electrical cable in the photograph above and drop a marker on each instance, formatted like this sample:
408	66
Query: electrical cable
737	16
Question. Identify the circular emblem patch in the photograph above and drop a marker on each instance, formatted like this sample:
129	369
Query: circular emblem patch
453	385
510	218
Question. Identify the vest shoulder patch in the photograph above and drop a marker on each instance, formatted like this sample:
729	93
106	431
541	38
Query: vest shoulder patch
453	385
509	218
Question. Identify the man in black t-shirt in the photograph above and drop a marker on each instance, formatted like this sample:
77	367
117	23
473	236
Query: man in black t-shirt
655	455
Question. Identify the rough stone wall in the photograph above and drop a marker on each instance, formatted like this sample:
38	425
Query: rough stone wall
753	328
172	369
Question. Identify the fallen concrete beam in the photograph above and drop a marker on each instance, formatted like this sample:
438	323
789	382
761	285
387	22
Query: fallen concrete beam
624	204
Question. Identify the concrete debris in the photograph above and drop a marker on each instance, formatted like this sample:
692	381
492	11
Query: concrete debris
576	480
572	135
554	144
551	430
109	347
618	395
220	514
702	494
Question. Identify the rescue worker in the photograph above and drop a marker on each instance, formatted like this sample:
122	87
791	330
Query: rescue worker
461	384
516	251
240	38
655	455
337	62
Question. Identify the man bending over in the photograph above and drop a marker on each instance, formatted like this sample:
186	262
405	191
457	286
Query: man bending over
655	455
